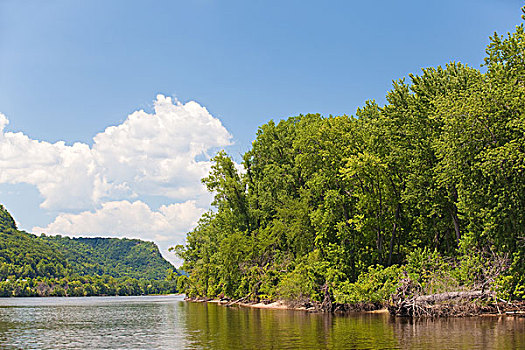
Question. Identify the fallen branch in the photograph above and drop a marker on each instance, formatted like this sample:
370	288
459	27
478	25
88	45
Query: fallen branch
441	304
452	295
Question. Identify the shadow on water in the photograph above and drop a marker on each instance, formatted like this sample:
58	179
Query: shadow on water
166	322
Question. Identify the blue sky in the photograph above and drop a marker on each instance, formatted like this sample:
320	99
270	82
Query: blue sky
70	69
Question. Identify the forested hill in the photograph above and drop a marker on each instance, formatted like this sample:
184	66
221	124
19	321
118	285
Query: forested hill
93	265
112	256
6	220
429	189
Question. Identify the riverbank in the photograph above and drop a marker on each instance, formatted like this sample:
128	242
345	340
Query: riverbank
448	309
278	305
284	305
461	307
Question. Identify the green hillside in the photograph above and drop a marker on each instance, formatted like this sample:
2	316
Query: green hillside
43	265
112	256
6	220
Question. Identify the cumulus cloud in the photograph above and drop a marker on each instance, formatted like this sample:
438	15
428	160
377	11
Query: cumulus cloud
130	220
148	154
101	189
61	173
166	226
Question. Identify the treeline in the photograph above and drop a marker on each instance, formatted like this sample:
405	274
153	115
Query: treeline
81	286
33	265
117	257
430	184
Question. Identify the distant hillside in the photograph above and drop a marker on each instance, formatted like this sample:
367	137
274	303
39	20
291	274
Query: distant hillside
51	265
6	220
112	256
23	255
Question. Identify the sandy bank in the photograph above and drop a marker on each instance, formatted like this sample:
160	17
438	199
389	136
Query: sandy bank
277	305
283	305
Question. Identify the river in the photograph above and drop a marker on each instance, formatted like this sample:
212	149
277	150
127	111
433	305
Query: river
167	322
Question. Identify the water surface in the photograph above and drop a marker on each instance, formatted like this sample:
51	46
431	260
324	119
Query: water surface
167	322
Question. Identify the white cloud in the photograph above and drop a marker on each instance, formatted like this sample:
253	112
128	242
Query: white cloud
123	219
102	190
130	220
148	154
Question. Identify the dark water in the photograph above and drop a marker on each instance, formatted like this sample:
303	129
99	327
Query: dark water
167	322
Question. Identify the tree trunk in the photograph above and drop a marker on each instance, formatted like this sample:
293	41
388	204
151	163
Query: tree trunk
454	214
451	295
391	247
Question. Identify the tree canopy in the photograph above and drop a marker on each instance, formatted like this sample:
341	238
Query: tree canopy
439	169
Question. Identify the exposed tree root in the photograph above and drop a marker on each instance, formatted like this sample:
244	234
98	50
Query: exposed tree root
457	304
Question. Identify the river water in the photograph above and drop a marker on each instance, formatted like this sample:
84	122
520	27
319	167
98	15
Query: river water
167	322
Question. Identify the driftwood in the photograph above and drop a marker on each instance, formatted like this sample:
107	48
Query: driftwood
235	302
442	304
452	295
326	305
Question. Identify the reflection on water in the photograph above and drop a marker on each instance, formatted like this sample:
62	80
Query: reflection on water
166	322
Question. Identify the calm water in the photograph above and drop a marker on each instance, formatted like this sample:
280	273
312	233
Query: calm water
167	322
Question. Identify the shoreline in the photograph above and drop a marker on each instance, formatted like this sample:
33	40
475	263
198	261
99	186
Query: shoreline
466	310
283	305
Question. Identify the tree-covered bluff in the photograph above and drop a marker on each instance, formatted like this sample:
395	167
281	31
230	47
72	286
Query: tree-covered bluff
117	257
423	195
43	265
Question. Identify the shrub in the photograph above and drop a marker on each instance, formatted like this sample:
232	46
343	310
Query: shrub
375	285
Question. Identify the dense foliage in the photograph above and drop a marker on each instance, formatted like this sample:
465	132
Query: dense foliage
112	256
33	265
348	205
